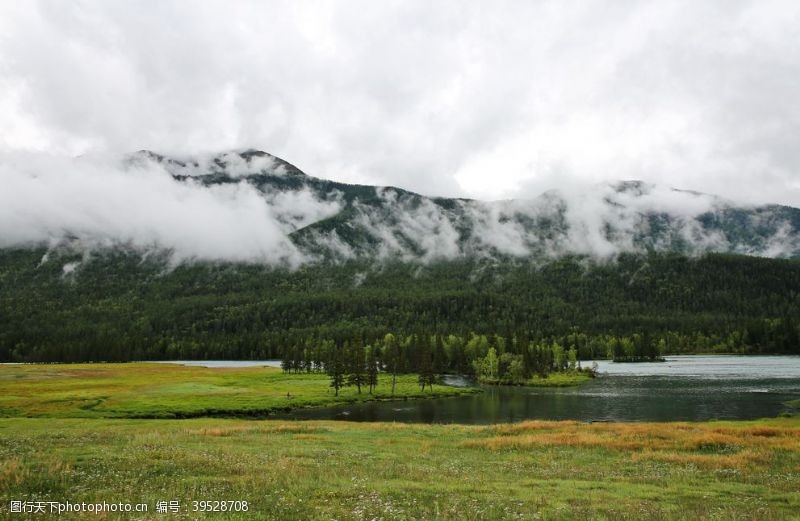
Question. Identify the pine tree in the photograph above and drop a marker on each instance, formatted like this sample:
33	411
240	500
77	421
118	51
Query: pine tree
335	368
357	371
439	355
287	362
425	368
372	368
392	355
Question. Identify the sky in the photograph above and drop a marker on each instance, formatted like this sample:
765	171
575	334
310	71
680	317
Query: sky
489	100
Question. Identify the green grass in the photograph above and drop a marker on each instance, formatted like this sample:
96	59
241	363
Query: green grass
339	470
564	379
560	380
140	390
74	439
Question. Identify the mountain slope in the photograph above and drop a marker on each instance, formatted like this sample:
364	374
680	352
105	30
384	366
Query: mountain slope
348	263
326	219
121	307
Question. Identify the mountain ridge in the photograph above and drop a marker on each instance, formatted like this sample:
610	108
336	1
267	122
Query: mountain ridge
253	207
355	262
612	218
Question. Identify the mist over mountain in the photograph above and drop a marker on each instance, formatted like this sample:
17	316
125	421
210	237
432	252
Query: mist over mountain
242	255
250	206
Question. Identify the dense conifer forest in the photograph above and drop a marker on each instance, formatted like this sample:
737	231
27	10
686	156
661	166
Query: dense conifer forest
121	306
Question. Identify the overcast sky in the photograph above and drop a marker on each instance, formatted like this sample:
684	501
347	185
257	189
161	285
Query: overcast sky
480	99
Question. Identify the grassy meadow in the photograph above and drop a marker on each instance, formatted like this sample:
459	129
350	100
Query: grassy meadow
339	470
78	433
148	390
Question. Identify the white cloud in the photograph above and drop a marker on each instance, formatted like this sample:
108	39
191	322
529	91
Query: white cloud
445	98
94	202
99	202
296	209
408	227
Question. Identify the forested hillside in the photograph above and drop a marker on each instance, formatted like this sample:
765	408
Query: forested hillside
120	306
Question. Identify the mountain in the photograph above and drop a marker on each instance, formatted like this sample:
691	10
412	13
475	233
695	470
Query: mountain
330	220
277	261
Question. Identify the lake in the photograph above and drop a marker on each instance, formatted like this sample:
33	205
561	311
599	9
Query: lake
691	388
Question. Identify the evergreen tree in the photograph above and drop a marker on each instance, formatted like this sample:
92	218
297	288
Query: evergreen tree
427	376
357	370
287	362
439	355
336	368
392	356
372	368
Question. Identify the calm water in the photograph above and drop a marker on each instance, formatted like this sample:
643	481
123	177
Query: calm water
682	388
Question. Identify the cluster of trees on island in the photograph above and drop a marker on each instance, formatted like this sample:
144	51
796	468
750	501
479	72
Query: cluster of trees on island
117	306
490	358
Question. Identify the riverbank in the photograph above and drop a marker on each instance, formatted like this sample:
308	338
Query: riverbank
338	470
153	390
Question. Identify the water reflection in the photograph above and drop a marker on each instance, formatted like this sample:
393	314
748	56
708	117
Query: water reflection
683	388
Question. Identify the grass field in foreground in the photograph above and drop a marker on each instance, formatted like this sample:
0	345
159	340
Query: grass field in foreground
338	470
142	390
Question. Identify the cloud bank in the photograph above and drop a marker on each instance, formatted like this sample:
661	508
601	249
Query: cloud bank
445	98
600	221
249	207
100	202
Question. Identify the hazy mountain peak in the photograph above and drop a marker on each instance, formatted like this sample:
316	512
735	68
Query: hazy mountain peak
232	163
634	186
248	205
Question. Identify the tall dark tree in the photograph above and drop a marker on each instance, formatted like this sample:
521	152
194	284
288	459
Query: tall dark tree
391	353
336	368
287	362
427	376
372	368
439	355
357	368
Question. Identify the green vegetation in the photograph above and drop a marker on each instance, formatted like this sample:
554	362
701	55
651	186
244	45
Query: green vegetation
340	470
138	390
539	365
72	437
353	364
560	379
119	307
565	379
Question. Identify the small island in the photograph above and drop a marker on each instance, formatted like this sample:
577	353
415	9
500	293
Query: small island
635	349
547	365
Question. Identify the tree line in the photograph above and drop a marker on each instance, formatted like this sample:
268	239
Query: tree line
118	306
491	359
